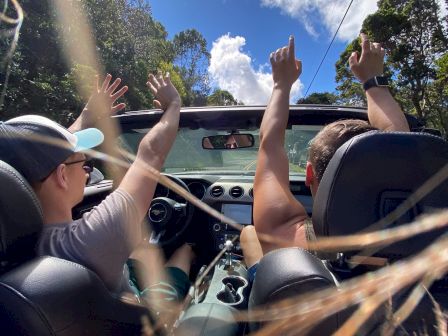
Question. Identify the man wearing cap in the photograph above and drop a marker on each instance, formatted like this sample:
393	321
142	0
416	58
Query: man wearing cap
51	158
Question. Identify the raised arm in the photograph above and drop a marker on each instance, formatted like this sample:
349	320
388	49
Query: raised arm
383	111
155	145
100	104
276	211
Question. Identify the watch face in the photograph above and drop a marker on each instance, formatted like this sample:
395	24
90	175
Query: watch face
382	81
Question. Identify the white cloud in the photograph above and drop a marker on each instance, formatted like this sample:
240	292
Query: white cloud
442	8
323	16
231	69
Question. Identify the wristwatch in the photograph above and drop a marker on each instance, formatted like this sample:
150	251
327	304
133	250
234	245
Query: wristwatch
375	81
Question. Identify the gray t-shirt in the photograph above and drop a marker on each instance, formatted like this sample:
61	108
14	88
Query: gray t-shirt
101	240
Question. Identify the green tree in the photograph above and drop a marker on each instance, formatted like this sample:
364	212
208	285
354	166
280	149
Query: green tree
130	44
192	59
437	94
326	98
221	98
37	68
414	37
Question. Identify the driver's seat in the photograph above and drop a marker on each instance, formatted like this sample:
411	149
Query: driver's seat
47	295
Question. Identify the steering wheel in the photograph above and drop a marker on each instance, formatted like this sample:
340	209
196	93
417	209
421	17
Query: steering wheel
168	217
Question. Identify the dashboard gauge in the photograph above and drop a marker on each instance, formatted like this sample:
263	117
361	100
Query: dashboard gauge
198	189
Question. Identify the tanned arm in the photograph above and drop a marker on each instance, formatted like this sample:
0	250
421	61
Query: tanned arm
276	211
155	145
383	111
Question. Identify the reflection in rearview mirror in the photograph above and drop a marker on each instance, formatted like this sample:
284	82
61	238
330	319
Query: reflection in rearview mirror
228	141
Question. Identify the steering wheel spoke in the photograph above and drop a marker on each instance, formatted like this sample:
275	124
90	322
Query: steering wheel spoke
169	218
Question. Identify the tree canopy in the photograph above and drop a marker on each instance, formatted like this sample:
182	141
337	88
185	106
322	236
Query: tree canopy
326	98
129	42
415	38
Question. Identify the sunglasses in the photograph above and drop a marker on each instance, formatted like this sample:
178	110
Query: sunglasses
88	164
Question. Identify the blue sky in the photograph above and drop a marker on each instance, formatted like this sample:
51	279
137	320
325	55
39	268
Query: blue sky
241	34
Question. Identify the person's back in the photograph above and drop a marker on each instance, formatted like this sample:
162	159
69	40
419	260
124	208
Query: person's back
276	211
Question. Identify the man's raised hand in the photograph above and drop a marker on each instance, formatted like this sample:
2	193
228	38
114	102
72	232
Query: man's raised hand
100	104
285	67
163	90
371	62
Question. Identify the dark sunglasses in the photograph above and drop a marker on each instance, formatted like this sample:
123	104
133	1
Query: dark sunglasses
88	164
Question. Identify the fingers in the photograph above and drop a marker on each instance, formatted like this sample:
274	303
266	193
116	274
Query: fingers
272	58
284	53
106	82
167	78
119	93
353	60
160	78
117	108
114	85
151	87
365	43
157	104
291	47
153	83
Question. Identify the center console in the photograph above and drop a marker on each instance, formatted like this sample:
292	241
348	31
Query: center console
221	232
215	311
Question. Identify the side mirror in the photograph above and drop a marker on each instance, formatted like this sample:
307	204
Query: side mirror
228	141
95	177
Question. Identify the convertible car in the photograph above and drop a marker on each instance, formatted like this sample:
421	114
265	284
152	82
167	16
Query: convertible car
214	158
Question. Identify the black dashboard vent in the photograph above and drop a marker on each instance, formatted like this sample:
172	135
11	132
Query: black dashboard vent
251	192
216	191
236	192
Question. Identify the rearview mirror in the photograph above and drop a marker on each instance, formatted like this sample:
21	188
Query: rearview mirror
228	141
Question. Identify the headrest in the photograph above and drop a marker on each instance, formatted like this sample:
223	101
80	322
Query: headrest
288	273
20	218
372	174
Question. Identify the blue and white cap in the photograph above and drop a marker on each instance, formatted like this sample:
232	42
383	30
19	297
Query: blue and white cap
35	145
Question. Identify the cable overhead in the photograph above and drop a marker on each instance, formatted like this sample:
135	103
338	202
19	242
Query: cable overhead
329	46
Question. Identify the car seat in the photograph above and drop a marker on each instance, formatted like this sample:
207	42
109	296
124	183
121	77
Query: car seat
367	178
371	175
47	295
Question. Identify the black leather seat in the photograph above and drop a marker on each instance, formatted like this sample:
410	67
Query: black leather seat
47	295
288	273
371	175
368	177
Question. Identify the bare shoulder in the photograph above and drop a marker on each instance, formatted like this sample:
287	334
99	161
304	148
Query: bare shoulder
293	234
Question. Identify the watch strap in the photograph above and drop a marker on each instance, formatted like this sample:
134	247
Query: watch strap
377	81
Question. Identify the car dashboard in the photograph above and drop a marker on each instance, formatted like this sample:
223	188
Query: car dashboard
230	195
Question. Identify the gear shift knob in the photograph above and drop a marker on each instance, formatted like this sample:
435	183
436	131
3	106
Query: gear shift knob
229	246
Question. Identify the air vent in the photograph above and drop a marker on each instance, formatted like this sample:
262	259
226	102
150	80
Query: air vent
236	192
251	192
216	191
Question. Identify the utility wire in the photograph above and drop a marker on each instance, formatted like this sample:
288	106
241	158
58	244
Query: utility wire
328	49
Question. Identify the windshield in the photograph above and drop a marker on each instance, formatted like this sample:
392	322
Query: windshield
187	154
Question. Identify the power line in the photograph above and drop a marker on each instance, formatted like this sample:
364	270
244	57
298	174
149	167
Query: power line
329	46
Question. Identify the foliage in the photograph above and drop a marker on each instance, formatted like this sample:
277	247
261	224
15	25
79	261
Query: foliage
129	42
326	98
221	98
192	59
414	36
